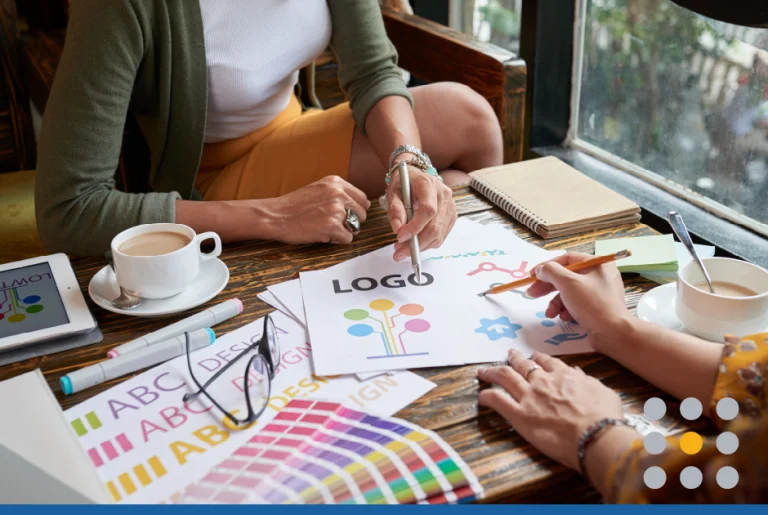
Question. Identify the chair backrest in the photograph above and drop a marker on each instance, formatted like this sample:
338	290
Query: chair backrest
17	138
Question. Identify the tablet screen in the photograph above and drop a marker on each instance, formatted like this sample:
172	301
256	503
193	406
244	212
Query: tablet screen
29	300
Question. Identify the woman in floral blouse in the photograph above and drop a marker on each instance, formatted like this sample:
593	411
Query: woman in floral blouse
559	409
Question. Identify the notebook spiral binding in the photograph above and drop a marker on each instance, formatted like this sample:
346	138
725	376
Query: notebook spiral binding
508	204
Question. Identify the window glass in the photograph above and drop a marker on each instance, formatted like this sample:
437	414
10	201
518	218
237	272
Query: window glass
678	95
494	21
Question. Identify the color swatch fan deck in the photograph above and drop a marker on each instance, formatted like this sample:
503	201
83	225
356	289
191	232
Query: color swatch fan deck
324	453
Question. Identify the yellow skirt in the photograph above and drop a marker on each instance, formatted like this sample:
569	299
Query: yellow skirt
295	149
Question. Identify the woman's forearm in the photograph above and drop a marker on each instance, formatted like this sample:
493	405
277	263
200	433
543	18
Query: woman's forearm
680	364
389	124
232	220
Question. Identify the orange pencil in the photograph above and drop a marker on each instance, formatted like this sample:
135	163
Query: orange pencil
576	267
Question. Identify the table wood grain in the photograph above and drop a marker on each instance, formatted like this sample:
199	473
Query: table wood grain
509	468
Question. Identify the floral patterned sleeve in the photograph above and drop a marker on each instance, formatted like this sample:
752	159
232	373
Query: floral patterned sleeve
741	376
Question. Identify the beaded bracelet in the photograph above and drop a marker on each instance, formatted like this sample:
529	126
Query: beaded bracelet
592	432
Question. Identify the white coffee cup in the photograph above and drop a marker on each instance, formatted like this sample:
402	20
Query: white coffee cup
164	275
712	316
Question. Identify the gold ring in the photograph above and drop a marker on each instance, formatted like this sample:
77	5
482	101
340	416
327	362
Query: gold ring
531	369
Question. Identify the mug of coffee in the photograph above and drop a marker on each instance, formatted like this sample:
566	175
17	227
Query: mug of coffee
157	261
739	305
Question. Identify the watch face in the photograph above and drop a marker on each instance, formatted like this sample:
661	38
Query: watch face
30	301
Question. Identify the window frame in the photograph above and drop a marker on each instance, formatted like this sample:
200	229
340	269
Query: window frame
548	42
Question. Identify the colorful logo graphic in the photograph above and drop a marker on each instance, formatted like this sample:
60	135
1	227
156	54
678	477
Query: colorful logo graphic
569	331
691	443
490	267
502	327
14	309
389	326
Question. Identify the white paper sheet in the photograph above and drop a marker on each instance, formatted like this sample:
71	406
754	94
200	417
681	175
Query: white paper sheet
268	298
370	315
147	444
467	239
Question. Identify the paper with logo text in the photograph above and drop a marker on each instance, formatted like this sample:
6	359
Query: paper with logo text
147	445
373	315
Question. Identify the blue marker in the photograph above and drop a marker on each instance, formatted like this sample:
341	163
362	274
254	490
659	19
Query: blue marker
134	361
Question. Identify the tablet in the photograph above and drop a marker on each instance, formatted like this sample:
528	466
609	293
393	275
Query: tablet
40	300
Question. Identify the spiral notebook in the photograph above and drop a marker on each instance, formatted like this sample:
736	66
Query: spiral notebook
553	199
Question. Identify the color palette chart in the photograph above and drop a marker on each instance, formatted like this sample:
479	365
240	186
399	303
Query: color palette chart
316	452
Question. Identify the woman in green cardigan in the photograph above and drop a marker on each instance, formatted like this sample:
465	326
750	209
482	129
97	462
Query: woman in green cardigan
212	86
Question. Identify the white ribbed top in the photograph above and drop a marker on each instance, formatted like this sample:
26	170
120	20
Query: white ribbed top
254	50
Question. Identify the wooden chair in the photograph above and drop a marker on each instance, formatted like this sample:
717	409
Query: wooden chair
17	139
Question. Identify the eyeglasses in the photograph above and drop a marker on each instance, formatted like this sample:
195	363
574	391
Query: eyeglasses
263	359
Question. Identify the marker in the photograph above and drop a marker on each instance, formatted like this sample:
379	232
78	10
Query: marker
208	318
143	358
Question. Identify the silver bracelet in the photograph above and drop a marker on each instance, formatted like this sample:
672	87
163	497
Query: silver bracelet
402	149
416	162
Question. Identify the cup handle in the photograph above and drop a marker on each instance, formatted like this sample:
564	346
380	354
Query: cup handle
216	252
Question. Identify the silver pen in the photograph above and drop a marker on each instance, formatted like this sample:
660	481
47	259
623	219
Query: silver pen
405	183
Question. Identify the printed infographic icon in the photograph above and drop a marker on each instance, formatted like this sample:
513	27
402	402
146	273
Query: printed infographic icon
390	333
14	308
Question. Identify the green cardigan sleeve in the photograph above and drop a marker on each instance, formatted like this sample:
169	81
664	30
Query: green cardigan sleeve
367	59
77	207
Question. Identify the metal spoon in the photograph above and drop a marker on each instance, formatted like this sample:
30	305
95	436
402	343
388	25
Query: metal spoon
678	226
125	300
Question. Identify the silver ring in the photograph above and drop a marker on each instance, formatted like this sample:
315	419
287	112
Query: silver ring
383	202
352	222
533	368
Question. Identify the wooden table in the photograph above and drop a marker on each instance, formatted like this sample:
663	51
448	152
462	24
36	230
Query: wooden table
509	468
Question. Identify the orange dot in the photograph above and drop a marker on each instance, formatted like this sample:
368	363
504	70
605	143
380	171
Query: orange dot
691	442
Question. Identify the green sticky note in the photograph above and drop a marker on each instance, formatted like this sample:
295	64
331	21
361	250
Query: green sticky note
649	253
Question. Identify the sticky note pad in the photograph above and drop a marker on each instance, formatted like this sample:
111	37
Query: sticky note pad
649	253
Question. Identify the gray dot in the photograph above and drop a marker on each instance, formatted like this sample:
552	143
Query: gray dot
727	443
691	478
727	478
654	409
727	408
691	408
654	478
655	443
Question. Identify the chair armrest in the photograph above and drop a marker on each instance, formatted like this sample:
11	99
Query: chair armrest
433	52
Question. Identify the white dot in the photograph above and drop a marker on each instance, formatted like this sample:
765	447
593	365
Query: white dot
691	408
727	408
654	478
727	478
727	443
654	409
691	477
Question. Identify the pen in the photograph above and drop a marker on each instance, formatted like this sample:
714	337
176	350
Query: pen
576	267
137	360
208	318
405	183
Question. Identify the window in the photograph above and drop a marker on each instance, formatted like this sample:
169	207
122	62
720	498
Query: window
494	21
678	99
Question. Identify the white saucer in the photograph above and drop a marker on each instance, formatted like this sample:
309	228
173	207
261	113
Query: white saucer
658	307
213	277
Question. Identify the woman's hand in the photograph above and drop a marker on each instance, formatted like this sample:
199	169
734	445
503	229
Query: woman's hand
316	213
594	298
434	212
550	407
